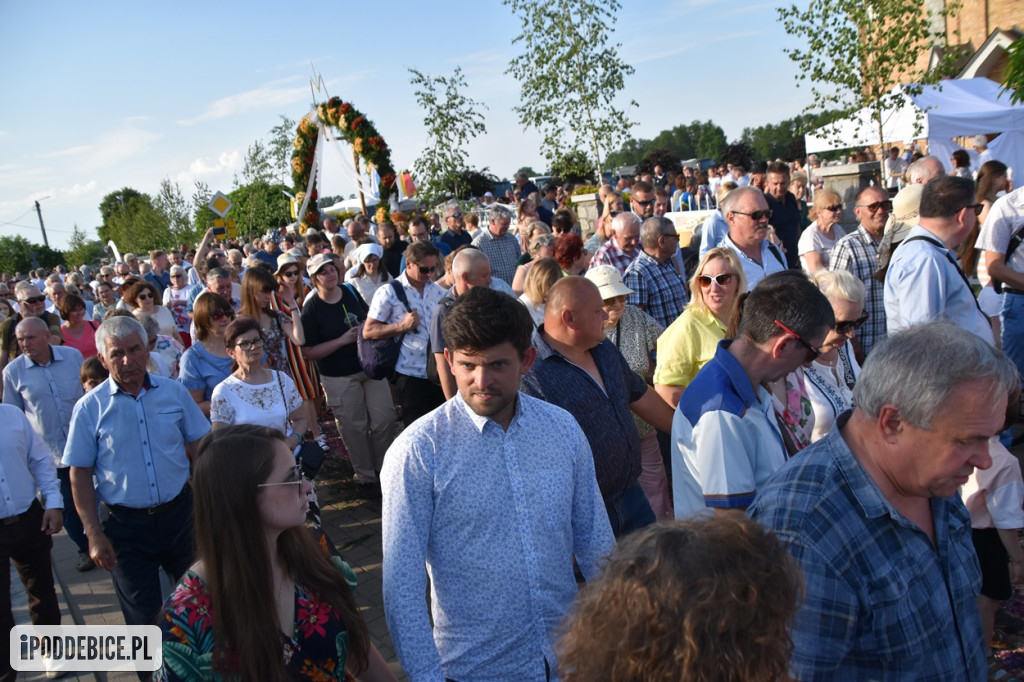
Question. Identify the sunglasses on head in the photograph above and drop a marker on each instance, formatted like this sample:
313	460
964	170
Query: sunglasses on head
721	279
873	207
846	326
33	299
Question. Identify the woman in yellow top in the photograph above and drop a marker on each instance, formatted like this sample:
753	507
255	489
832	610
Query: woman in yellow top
691	340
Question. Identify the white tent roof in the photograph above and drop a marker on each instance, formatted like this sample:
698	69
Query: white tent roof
968	106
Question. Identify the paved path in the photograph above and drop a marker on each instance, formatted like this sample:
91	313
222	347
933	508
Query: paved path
88	598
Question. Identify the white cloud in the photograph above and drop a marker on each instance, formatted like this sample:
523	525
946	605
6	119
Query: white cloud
691	45
216	171
109	148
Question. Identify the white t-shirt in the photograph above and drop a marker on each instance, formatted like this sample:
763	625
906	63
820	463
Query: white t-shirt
814	239
236	402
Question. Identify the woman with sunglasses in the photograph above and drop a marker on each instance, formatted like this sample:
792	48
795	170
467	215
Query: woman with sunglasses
144	298
831	377
302	371
258	289
817	240
262	601
207	363
175	299
690	341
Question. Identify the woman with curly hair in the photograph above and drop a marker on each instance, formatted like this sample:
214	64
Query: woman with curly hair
703	599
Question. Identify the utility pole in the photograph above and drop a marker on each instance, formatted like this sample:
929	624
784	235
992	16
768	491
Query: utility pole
42	227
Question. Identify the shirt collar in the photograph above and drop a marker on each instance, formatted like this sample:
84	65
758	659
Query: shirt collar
707	318
53	358
738	376
114	389
544	350
479	421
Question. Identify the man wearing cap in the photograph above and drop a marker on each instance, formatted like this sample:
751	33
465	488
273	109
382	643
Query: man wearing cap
858	253
924	281
271	249
621	248
456	235
654	277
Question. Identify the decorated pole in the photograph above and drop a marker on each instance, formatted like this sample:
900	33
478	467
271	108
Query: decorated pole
359	181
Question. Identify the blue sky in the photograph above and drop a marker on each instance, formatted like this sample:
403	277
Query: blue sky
107	94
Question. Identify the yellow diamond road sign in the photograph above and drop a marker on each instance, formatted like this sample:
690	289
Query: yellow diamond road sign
220	204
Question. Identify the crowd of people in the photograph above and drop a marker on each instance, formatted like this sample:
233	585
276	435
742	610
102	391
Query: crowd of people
568	404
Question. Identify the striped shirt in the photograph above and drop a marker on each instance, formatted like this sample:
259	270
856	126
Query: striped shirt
857	253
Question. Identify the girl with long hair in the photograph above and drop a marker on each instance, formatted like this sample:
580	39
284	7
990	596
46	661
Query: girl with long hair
258	289
262	601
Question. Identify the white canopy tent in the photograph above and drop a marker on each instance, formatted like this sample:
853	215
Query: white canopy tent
962	107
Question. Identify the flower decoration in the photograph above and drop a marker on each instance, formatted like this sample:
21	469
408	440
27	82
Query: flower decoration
358	131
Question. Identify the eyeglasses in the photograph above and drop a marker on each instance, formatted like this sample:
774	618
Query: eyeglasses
873	207
295	477
721	279
220	315
290	273
645	204
32	300
143	297
845	327
250	345
837	207
977	208
812	352
756	215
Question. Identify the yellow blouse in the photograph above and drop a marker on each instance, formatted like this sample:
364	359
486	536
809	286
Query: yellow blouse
686	345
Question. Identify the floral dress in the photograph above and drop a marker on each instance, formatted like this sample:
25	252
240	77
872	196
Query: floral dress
316	650
274	342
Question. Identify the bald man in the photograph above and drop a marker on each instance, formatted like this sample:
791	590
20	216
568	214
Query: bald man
582	372
470	268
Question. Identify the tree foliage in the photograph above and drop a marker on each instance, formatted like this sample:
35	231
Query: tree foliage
170	201
855	52
259	207
574	167
569	75
530	173
133	223
279	149
1013	77
18	254
669	162
698	139
82	250
451	120
738	154
202	216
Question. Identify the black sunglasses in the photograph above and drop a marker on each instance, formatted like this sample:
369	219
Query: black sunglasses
424	269
34	299
837	207
757	215
645	204
873	207
845	327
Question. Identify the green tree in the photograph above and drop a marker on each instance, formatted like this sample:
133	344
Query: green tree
855	52
280	149
452	120
82	250
711	141
133	223
259	207
18	254
202	216
669	162
569	75
530	173
629	154
574	167
171	203
1013	77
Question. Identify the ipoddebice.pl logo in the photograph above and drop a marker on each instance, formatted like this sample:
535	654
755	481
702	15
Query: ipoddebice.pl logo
86	648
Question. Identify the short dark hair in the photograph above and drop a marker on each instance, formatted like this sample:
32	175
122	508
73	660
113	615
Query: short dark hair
418	220
69	303
417	251
93	370
792	299
563	220
961	159
483	318
945	195
779	168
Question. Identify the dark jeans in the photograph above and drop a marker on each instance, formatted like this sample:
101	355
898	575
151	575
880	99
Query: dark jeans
417	397
29	548
631	512
72	524
143	544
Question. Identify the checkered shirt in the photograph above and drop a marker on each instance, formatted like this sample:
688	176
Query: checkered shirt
857	253
611	254
882	601
657	287
502	252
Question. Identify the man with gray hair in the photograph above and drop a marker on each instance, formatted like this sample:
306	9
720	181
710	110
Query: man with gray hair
746	211
135	432
924	281
31	303
621	248
872	515
500	247
654	276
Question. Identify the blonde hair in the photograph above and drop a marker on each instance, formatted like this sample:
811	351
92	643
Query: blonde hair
697	298
823	197
840	284
542	276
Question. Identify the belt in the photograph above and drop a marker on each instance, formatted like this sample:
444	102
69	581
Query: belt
1008	290
18	518
151	511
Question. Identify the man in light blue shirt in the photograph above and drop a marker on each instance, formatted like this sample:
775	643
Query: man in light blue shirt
44	382
746	210
493	493
924	281
132	431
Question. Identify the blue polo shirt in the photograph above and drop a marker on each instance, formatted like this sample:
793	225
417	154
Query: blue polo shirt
135	445
604	415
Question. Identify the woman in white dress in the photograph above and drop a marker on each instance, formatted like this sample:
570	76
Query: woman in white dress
830	378
253	393
817	240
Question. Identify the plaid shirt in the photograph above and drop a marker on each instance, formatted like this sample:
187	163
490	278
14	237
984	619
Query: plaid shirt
503	253
611	254
657	287
857	253
883	602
